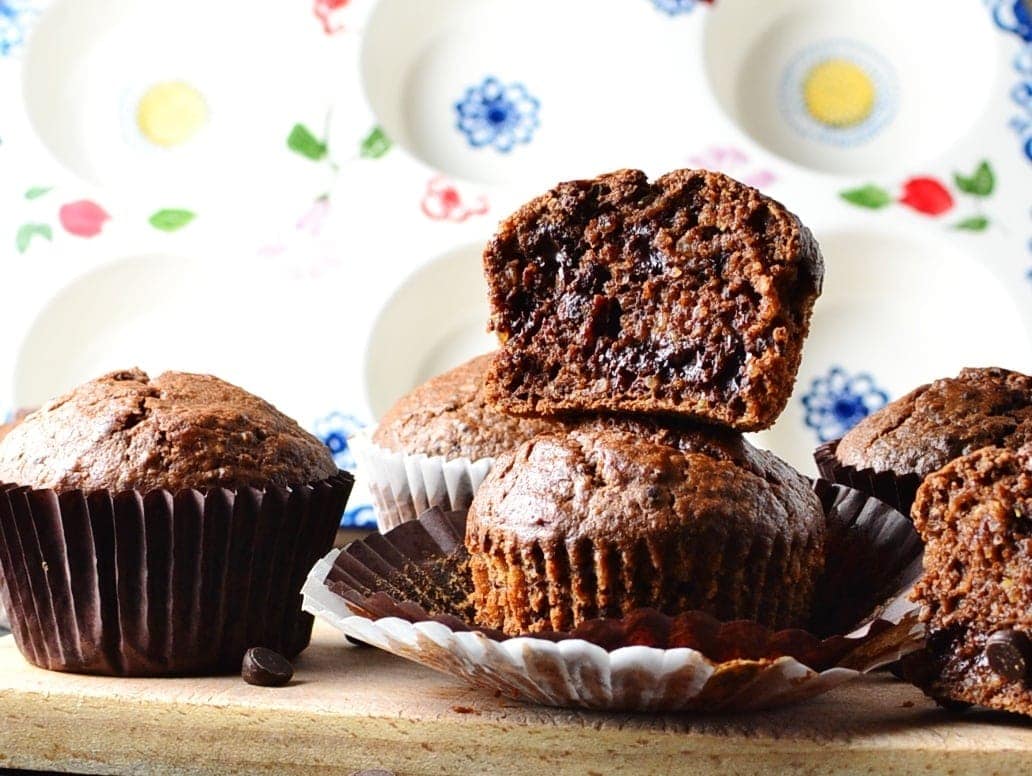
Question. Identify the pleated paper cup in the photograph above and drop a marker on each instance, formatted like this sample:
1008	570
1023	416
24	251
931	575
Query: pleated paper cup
403	485
407	592
162	583
896	490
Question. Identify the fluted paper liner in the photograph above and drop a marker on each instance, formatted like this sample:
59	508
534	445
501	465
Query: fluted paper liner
161	583
897	490
403	486
407	593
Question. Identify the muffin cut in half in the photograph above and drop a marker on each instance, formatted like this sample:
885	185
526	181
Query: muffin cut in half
688	296
975	517
620	514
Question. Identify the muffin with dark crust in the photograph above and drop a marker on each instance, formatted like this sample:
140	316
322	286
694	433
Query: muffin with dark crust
449	416
975	517
890	452
434	446
620	514
126	431
161	527
688	296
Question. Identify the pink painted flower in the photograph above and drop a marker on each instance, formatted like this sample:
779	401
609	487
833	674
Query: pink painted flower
442	201
314	219
83	218
926	195
326	13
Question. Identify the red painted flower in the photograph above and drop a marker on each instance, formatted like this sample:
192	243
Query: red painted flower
325	12
926	195
83	218
443	202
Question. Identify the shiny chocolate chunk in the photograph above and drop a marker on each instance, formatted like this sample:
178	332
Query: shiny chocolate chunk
265	668
1009	654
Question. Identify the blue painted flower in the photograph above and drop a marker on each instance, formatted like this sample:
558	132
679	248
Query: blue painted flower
13	24
838	401
1013	16
498	115
361	516
334	430
675	7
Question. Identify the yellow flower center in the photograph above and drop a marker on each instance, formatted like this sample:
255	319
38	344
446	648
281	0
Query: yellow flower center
839	93
170	113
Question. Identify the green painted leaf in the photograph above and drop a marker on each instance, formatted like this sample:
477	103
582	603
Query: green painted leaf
302	141
376	144
37	191
171	220
28	231
980	184
973	224
869	196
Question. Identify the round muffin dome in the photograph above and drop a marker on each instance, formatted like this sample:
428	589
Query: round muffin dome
621	514
449	416
125	431
936	423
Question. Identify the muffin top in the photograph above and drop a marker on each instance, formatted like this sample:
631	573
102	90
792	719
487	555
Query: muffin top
449	416
623	478
932	425
125	431
14	422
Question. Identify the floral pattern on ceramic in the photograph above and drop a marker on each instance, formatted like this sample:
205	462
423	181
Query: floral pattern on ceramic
932	197
328	14
15	16
677	7
1015	17
839	92
839	400
497	115
334	430
443	201
735	162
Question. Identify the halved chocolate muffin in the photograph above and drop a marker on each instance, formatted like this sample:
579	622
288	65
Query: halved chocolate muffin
620	514
687	296
975	517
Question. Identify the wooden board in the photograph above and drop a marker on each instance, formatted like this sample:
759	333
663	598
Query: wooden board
355	708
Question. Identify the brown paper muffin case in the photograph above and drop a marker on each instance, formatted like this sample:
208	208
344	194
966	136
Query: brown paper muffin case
403	485
161	583
897	490
407	592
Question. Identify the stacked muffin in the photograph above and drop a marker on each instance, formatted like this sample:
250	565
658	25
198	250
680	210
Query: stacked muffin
658	321
161	527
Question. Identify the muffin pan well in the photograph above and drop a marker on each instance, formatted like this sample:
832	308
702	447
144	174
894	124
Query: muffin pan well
326	152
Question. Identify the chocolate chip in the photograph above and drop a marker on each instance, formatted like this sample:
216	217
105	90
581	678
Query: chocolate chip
266	668
1009	653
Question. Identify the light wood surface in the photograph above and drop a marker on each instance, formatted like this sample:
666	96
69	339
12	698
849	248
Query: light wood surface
351	708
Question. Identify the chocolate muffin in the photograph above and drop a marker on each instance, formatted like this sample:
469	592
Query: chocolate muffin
161	527
975	517
890	452
688	296
621	514
125	431
449	416
14	422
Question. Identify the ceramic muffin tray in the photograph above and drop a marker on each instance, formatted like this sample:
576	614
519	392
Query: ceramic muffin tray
295	197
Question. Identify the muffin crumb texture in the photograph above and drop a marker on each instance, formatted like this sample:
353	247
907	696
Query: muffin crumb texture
975	516
688	296
126	431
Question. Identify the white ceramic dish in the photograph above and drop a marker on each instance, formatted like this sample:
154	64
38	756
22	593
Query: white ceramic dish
285	182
